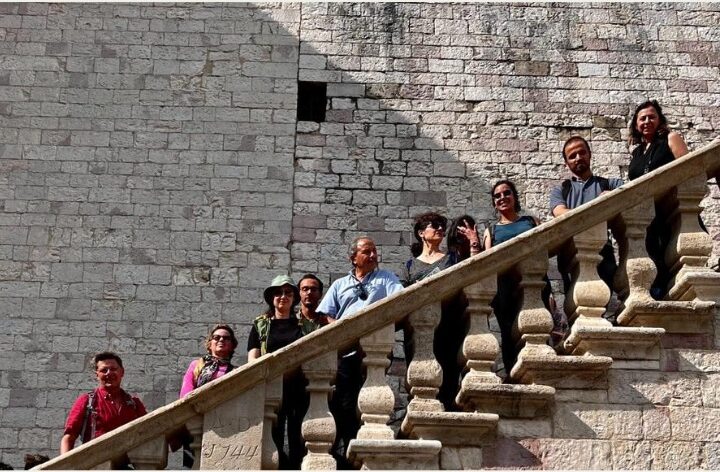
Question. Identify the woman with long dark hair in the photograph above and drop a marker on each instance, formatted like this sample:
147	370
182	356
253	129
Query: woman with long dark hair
656	146
506	305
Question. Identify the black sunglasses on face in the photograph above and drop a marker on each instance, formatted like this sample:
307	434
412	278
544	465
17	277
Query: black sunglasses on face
360	291
504	193
436	225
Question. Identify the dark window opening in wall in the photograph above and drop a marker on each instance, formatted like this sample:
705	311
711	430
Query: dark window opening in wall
312	99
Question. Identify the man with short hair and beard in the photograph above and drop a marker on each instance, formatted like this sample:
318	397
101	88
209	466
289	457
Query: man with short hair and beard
364	285
106	408
311	290
581	188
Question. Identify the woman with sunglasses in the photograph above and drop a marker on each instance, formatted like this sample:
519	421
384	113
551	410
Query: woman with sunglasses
428	258
429	231
510	223
273	330
220	344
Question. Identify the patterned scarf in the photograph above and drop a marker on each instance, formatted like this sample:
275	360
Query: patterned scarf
210	365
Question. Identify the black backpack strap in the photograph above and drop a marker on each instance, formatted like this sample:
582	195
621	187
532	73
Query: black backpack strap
604	183
88	420
566	187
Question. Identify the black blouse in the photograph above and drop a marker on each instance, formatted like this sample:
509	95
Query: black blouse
282	332
647	160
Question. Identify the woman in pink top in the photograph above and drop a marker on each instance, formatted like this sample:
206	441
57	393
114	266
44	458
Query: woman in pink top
220	344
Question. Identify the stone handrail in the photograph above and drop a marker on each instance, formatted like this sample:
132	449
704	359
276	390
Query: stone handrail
164	420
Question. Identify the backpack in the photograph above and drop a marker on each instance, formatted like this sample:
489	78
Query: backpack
567	186
262	326
89	421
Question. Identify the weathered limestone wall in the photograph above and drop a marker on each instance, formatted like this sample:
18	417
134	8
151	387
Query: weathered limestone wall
146	184
429	105
147	178
667	419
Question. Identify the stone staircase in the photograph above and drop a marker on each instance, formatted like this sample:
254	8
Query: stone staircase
639	394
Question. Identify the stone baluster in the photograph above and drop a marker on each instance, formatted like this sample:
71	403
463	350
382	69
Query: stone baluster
318	428
376	399
480	347
690	246
424	372
637	271
273	397
534	322
588	294
151	455
195	427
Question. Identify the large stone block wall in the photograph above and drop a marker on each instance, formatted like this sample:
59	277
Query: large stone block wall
430	104
153	176
650	420
146	171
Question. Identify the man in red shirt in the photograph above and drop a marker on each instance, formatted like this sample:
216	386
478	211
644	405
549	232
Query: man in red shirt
109	407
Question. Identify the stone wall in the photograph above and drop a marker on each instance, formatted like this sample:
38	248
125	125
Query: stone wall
154	176
667	419
429	105
147	168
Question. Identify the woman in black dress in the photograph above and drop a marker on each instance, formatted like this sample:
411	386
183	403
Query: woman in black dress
656	146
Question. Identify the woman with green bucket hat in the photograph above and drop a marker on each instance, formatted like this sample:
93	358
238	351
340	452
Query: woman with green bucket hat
277	327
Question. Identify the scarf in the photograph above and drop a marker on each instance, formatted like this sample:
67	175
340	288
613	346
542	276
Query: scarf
210	366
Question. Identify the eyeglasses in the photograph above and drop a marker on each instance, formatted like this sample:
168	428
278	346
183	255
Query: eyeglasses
436	225
107	370
288	292
360	291
220	337
504	193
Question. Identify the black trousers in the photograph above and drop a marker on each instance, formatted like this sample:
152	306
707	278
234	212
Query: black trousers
506	305
343	406
295	402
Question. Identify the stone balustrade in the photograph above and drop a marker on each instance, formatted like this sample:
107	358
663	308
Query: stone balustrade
229	419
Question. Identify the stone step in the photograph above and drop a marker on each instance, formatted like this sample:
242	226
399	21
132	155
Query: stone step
630	348
395	454
675	317
586	371
451	428
506	400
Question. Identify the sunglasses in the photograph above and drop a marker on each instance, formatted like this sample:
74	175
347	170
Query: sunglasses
219	337
504	193
436	225
288	292
361	292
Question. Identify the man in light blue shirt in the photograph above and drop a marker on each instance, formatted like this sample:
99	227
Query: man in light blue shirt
364	284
